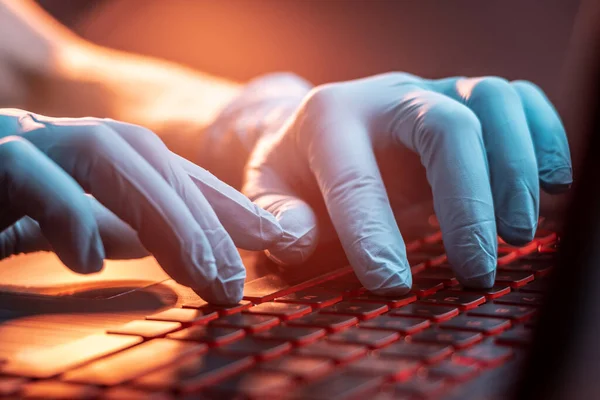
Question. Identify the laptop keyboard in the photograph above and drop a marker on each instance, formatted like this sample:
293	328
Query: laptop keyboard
329	340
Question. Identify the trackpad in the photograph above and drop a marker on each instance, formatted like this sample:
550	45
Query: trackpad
42	274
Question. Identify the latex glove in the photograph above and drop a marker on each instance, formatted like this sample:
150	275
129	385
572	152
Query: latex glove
486	145
190	221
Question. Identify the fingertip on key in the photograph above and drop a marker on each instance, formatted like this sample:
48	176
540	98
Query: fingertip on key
484	281
270	229
556	181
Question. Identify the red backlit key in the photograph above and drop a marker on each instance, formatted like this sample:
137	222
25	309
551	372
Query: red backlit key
366	337
392	302
338	352
522	299
193	373
517	313
432	312
506	255
514	278
491	293
360	310
342	385
212	335
251	323
146	329
404	325
453	371
222	310
305	368
345	285
331	322
296	334
127	393
253	385
426	287
486	354
444	275
388	368
538	269
537	286
421	387
458	339
261	349
184	315
282	310
462	300
518	336
487	326
427	353
314	297
134	362
58	390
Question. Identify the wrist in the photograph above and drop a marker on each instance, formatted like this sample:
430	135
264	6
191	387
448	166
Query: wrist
260	109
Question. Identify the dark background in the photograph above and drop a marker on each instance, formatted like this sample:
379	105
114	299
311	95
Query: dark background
336	40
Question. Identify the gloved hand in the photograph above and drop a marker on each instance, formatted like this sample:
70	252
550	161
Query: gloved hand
486	145
189	220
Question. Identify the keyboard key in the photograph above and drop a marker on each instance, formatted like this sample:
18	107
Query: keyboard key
367	337
538	269
10	385
462	300
432	312
424	352
221	310
127	393
506	255
522	299
315	297
184	316
45	363
444	275
422	387
514	278
249	322
458	339
297	335
454	371
537	286
58	390
486	354
491	293
426	287
304	368
487	326
362	311
518	336
146	329
212	335
345	285
259	384
131	363
390	301
331	322
338	352
388	368
193	373
342	385
517	313
261	349
284	311
404	325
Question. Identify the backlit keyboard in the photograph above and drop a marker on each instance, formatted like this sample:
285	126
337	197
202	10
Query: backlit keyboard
327	340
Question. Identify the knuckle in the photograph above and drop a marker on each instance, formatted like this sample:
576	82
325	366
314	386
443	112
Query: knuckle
92	139
527	87
323	99
492	88
446	120
13	149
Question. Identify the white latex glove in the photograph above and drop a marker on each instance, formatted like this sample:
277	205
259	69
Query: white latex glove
486	145
185	217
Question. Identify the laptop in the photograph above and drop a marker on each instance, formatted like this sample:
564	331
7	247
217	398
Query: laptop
130	332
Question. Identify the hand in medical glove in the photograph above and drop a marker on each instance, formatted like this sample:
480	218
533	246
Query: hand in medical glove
486	145
190	221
